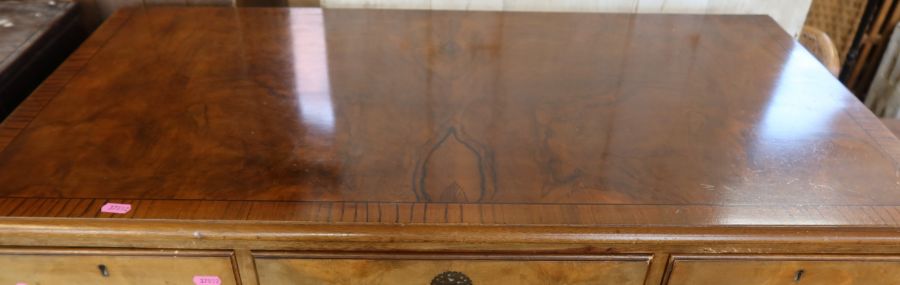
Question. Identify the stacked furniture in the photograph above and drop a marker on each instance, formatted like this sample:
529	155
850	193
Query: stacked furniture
35	37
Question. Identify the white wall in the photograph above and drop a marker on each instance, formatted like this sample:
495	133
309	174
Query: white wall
790	14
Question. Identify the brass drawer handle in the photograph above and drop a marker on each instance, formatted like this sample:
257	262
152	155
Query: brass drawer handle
451	278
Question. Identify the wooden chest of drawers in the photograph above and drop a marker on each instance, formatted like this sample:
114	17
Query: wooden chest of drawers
113	267
483	269
310	146
784	270
80	266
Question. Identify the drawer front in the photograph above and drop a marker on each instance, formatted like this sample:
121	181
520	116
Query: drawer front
778	271
273	271
86	269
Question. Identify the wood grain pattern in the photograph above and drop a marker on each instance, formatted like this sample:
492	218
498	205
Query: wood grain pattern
399	270
246	266
22	116
786	270
428	133
310	147
122	267
260	235
892	124
389	213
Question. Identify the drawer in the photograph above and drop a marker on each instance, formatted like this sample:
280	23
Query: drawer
787	270
123	267
418	270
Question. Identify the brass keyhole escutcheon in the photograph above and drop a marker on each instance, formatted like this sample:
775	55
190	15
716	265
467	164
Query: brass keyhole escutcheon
451	278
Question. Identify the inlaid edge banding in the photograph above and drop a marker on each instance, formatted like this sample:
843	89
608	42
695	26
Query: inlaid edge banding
23	115
396	213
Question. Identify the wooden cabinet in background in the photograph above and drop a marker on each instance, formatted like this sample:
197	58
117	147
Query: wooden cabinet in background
35	37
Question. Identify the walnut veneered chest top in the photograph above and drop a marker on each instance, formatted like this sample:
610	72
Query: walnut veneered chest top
320	146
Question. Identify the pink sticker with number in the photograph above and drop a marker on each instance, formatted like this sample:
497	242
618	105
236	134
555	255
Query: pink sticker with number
21	283
207	280
115	208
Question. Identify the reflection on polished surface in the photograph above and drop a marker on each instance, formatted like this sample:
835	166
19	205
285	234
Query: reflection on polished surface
799	135
311	70
801	110
427	106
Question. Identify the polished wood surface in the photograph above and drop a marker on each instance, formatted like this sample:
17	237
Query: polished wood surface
411	270
389	117
119	267
785	270
377	138
892	124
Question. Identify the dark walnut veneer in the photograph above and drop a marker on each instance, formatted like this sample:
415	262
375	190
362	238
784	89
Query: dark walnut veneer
359	133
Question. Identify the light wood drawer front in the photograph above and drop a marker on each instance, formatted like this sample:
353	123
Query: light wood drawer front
274	271
778	271
137	270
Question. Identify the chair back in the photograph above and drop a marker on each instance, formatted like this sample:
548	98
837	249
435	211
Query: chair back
820	45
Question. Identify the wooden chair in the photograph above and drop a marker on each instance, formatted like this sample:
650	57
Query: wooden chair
820	45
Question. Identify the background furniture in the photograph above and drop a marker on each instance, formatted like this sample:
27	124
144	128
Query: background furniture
884	95
821	46
35	37
97	10
276	146
839	19
873	27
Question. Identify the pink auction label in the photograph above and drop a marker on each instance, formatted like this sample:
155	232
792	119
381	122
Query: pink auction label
115	208
207	280
21	283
